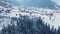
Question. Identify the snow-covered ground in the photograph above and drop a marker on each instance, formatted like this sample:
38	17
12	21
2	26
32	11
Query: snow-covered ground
48	16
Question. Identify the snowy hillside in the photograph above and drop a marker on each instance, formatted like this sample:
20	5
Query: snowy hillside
49	16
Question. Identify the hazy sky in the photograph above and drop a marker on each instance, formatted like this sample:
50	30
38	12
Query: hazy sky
57	1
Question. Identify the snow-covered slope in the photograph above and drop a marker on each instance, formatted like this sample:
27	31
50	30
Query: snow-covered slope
48	16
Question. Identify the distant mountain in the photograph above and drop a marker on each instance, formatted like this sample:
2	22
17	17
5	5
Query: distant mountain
36	3
42	4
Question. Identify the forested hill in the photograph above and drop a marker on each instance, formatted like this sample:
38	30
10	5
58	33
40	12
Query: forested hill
27	20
